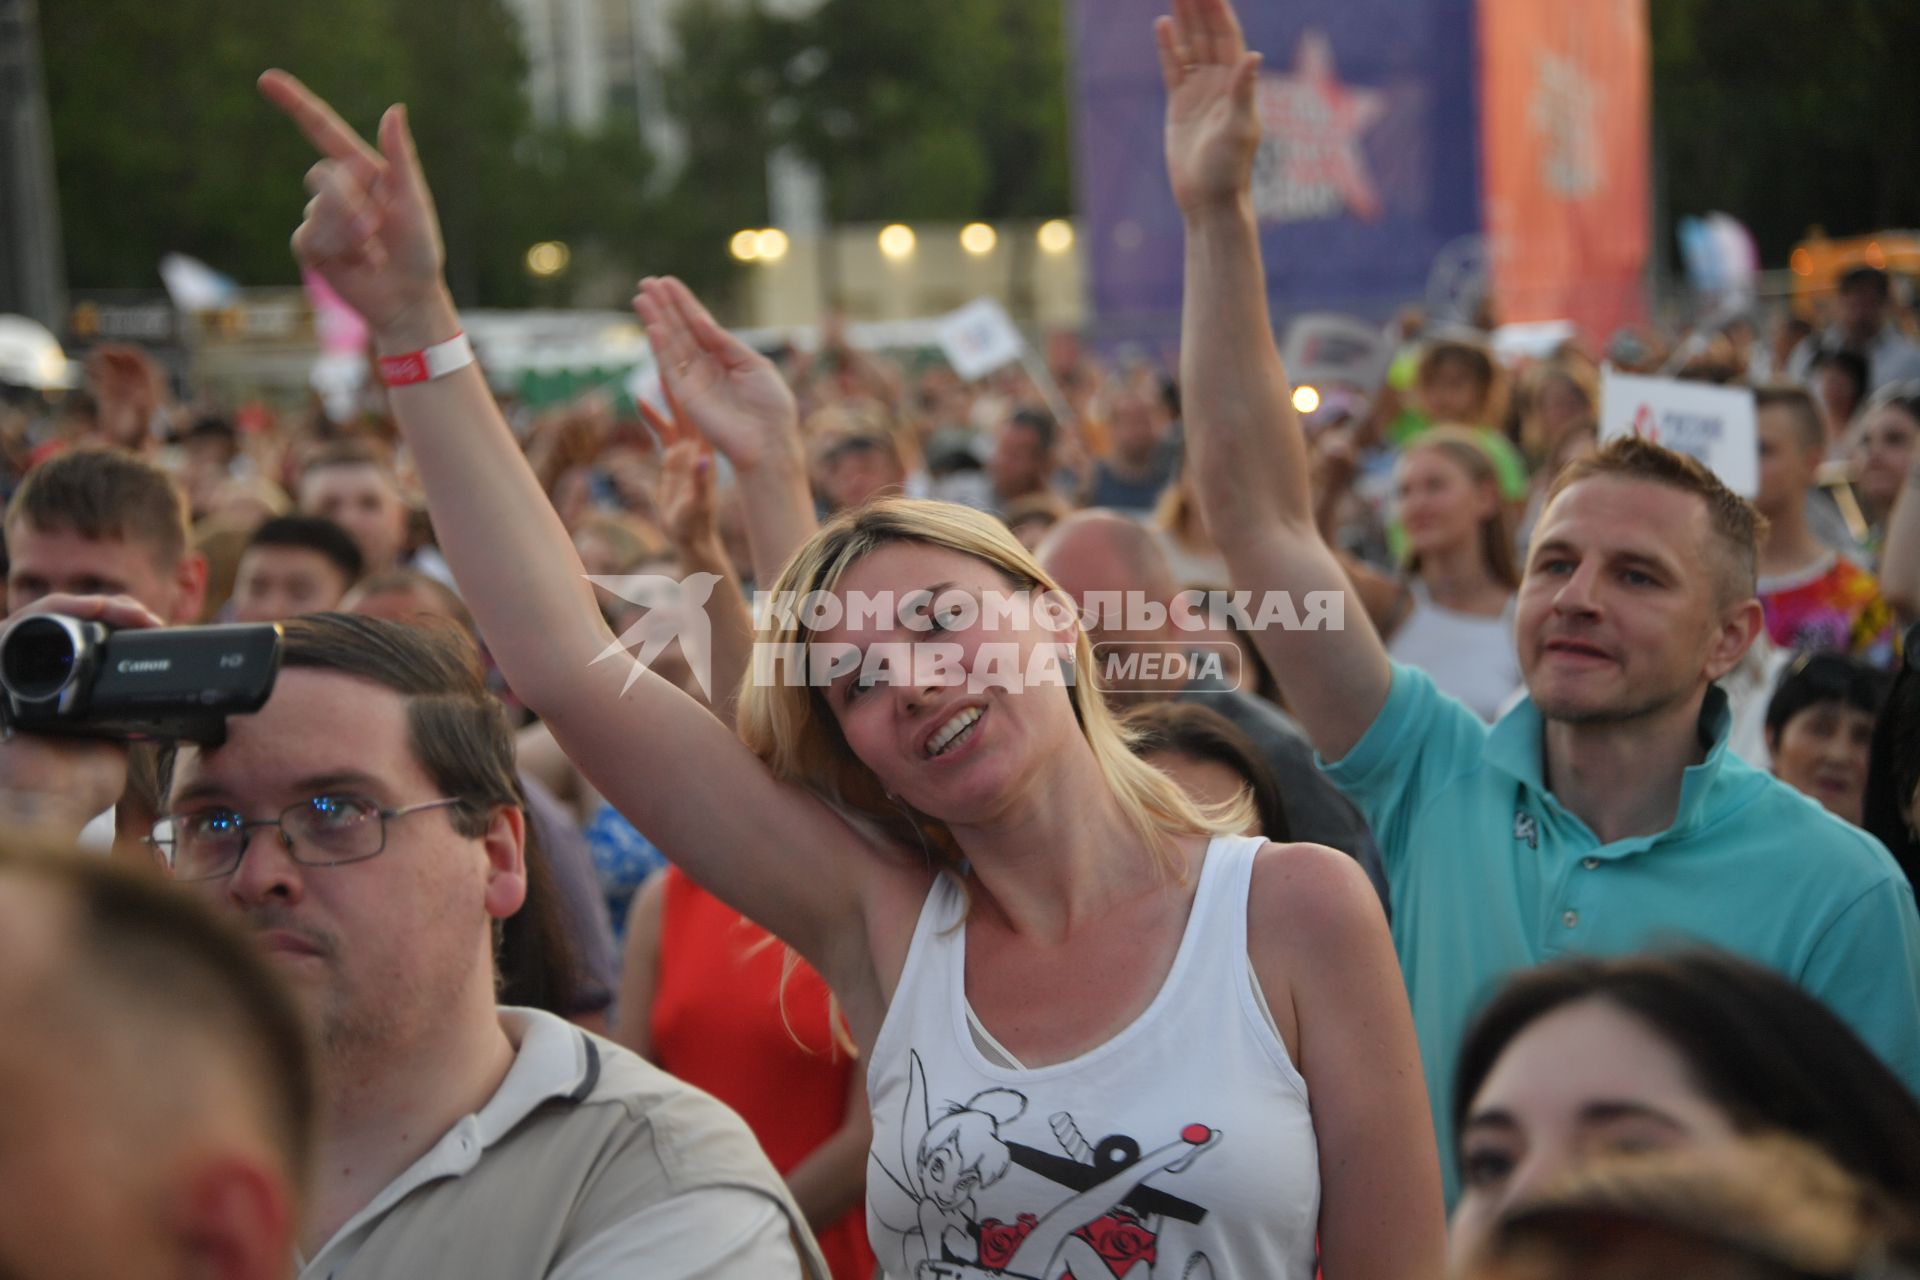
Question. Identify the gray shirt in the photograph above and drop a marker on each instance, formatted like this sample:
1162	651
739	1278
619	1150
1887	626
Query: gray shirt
586	1164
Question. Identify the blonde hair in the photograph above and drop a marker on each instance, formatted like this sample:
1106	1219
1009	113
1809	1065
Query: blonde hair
1178	513
791	727
1496	530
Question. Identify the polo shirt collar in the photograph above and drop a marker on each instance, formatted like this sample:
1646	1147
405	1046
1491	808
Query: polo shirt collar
1516	746
552	1060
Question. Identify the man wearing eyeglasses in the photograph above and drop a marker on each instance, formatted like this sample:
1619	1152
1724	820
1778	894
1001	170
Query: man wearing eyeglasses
365	824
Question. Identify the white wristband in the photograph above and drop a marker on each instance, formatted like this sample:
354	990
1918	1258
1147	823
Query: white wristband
435	361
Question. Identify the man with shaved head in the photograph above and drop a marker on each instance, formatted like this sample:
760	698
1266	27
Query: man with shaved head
1098	558
156	1099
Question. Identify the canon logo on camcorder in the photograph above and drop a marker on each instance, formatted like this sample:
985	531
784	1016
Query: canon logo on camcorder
142	666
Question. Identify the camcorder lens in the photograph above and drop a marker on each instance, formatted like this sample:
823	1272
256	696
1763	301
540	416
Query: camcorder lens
37	659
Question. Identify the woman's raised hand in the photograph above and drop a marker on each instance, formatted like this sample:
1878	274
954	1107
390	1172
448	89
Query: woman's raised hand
1212	129
685	500
719	386
370	229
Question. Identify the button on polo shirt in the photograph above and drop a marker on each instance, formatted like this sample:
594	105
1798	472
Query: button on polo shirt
1490	874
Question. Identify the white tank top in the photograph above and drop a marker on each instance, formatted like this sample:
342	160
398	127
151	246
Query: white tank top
1184	1142
1469	657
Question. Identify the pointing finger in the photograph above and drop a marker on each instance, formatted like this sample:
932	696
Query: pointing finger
330	135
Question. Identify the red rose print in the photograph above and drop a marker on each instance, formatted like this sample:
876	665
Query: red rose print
998	1239
1120	1241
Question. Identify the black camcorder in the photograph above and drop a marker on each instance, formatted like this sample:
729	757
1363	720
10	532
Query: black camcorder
61	675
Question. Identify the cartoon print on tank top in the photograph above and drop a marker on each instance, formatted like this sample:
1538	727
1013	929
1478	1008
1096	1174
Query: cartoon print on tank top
1106	1222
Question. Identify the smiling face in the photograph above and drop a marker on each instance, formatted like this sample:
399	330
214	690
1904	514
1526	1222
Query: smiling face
1622	612
1587	1079
378	951
1440	505
958	746
1822	752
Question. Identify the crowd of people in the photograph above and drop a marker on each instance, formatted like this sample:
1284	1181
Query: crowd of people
1518	881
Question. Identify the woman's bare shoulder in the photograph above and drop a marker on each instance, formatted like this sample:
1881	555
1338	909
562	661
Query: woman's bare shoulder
1307	897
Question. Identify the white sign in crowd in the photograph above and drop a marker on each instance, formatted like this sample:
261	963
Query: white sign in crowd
1714	425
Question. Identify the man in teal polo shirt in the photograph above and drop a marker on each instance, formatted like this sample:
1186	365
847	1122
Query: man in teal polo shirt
1492	872
1604	813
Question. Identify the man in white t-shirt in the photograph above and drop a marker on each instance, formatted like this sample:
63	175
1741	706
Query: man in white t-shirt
365	825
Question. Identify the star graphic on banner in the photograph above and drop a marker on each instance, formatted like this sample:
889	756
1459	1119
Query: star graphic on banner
1310	164
1565	109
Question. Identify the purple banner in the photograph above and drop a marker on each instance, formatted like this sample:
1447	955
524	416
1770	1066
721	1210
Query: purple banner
1370	164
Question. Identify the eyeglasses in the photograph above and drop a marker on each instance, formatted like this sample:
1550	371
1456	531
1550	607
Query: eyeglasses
324	831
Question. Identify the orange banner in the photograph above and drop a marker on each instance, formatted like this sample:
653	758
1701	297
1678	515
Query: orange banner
1564	109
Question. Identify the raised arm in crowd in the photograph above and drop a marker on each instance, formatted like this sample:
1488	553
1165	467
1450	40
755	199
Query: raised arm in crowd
885	818
1602	812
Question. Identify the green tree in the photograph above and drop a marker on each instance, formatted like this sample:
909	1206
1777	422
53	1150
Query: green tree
1789	115
908	111
720	92
161	143
942	111
465	68
931	111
